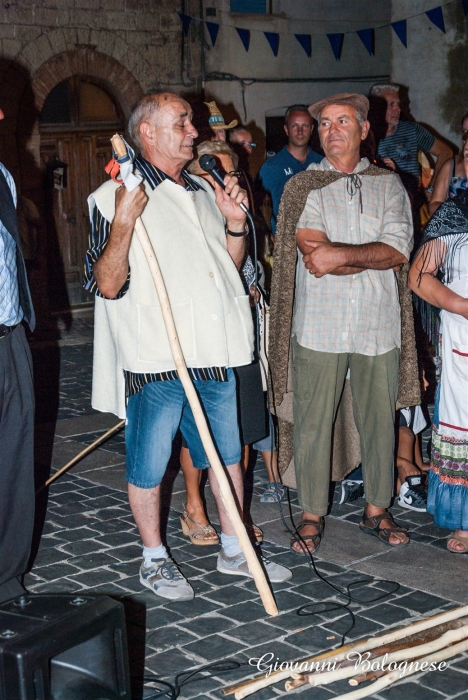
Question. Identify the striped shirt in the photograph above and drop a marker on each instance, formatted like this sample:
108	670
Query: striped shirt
11	312
357	313
98	237
403	147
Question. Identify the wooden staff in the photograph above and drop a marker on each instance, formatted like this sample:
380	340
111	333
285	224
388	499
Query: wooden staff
393	676
245	688
422	650
200	420
413	640
83	453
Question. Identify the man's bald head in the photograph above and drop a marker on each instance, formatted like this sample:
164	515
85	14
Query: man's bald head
146	110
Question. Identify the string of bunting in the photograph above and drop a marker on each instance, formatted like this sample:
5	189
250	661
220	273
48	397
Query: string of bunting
336	39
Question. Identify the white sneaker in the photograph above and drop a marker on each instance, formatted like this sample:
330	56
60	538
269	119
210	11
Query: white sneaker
237	566
165	580
413	493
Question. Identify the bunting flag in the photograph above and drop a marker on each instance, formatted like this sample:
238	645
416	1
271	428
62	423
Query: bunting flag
273	40
367	36
336	42
185	19
437	17
305	41
213	29
244	37
465	6
400	30
368	39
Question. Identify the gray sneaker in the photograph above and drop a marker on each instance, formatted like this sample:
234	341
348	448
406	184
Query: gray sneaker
164	579
237	566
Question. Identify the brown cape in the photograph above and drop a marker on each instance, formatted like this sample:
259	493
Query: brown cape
346	450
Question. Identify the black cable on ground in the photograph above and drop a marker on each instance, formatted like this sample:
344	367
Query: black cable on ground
172	690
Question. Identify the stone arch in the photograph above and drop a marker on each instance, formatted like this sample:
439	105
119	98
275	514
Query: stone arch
118	80
26	95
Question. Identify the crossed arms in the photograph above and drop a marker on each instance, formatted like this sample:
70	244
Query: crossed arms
322	257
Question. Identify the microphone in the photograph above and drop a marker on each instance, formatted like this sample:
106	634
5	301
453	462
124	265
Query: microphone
209	165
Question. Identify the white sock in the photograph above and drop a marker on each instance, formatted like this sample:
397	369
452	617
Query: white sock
230	544
150	553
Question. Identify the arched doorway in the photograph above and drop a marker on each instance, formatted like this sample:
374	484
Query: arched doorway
77	119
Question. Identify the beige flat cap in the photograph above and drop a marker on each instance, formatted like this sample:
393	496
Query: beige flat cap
359	102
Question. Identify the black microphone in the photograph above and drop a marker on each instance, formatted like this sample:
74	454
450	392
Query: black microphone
209	165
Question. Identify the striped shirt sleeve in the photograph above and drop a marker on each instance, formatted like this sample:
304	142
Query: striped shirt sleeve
424	138
98	237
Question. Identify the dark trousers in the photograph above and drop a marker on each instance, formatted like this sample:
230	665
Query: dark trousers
16	460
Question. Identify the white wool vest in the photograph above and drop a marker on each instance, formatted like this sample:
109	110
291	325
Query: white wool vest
211	310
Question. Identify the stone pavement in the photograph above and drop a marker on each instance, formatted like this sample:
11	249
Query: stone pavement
90	544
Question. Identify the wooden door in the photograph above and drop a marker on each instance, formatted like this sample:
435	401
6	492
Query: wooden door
85	155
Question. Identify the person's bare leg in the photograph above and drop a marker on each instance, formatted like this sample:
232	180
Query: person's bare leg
236	478
192	478
145	508
270	459
418	458
404	462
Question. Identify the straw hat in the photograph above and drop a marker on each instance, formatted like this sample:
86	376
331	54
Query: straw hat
359	102
216	119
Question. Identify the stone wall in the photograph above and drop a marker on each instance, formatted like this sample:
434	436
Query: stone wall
433	67
129	45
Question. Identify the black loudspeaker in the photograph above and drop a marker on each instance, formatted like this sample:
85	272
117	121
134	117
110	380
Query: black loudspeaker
63	647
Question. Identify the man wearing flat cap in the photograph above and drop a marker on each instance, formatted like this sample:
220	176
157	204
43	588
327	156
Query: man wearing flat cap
344	231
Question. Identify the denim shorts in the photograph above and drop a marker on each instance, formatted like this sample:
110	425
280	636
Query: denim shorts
156	412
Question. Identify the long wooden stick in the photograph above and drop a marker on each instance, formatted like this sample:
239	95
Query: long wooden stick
413	640
200	420
83	453
245	688
422	650
393	676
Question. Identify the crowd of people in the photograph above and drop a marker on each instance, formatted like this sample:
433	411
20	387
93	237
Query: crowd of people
291	364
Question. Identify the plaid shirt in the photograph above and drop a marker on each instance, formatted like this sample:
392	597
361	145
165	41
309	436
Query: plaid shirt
357	313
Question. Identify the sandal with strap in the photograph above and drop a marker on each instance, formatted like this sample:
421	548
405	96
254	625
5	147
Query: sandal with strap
304	540
371	526
254	531
201	535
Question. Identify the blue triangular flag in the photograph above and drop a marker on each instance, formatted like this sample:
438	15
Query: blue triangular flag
305	41
336	42
213	30
185	19
465	6
273	40
367	38
244	37
437	17
400	31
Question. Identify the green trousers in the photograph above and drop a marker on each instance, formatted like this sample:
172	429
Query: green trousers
318	379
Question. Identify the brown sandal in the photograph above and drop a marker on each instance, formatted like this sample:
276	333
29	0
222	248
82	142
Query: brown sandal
371	526
254	531
199	534
303	540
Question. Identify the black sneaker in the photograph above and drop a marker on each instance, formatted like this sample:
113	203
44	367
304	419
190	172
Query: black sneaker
351	490
413	493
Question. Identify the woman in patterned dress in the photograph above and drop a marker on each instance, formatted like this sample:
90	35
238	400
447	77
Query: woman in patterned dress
439	275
